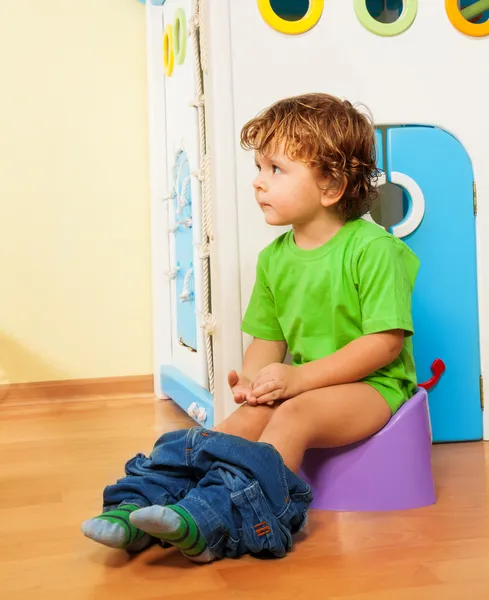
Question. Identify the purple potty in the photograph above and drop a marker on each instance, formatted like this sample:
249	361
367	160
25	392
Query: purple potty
389	471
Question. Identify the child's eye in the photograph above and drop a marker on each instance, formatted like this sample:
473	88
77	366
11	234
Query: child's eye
258	168
275	169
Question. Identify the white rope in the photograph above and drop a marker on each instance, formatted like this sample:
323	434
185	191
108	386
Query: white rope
181	197
198	175
204	250
202	36
187	223
186	294
200	62
198	102
208	323
183	201
206	201
172	273
184	160
168	197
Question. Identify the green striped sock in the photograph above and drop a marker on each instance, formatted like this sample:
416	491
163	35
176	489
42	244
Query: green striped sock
114	529
174	525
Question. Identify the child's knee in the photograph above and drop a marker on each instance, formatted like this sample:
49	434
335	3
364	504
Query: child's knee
247	421
289	411
255	415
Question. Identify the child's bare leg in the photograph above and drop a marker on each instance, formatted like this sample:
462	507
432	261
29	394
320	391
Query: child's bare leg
248	422
325	418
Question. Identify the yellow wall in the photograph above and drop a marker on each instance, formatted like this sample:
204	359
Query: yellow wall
75	291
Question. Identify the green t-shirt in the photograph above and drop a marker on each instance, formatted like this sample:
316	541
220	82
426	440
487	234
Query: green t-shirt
360	282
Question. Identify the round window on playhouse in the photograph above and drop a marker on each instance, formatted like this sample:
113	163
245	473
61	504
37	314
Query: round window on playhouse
291	17
470	17
386	17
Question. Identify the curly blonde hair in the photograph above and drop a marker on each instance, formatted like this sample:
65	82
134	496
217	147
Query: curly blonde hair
329	135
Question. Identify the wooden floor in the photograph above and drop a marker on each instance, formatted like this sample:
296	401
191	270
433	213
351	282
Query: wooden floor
56	458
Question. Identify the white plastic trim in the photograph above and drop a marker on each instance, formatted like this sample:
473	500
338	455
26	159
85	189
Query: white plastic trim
417	208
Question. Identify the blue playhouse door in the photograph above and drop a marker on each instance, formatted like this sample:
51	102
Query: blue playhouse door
445	306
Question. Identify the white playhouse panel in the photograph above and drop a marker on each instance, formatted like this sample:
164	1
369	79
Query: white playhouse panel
408	79
429	75
174	135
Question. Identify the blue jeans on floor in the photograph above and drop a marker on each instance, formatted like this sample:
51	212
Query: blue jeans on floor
240	493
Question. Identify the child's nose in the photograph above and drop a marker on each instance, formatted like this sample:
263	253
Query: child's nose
258	183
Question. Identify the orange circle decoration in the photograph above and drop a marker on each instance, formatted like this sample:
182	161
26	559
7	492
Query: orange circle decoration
464	26
168	54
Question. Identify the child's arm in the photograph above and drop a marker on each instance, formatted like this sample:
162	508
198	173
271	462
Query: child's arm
354	362
259	354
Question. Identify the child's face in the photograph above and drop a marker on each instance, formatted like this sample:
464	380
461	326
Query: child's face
287	190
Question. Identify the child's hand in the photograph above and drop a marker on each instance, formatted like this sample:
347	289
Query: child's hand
276	382
240	386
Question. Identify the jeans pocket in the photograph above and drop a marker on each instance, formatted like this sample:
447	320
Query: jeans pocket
262	531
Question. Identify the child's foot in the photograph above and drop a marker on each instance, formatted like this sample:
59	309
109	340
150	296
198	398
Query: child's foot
175	526
114	529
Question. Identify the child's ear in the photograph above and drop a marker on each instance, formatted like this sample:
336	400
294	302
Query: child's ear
332	191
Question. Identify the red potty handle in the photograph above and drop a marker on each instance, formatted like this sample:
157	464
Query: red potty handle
437	368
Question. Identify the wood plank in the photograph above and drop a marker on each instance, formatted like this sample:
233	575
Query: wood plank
74	389
55	459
